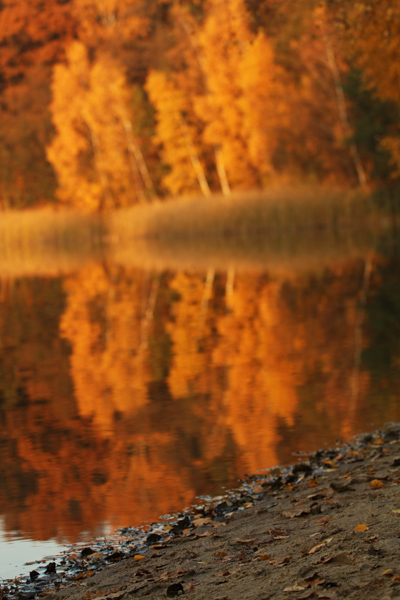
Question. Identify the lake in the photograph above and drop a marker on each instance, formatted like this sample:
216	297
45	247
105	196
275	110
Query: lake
126	393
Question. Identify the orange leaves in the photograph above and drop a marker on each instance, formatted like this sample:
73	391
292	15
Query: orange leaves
320	546
376	484
97	160
360	528
224	39
264	101
110	21
177	136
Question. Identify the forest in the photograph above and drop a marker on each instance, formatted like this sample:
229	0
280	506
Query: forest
111	103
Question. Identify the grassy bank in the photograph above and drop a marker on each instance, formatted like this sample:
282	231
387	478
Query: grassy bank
47	242
303	227
280	210
306	227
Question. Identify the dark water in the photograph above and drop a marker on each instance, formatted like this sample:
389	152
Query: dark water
124	394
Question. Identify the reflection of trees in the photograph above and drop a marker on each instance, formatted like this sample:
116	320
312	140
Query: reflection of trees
381	357
177	388
255	347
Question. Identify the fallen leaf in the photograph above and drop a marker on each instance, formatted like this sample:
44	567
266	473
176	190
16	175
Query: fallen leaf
263	557
201	521
275	532
221	553
320	545
325	520
376	484
388	572
73	556
312	483
329	463
237	541
295	588
352	453
138	557
372	538
243	556
96	555
396	511
361	527
282	561
318	495
203	535
316	548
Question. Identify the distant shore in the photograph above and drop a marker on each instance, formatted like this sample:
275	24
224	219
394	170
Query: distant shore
301	227
323	528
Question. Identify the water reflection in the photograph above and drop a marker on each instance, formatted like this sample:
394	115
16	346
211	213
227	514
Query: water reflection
126	393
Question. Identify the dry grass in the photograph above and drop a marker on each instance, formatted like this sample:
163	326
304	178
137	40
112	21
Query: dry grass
282	210
47	242
284	228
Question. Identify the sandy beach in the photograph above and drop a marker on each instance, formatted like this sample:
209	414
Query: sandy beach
328	527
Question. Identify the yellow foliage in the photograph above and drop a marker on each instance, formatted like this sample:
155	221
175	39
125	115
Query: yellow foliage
94	152
224	40
173	132
264	102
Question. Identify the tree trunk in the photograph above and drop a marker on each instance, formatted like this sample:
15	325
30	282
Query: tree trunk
194	157
342	110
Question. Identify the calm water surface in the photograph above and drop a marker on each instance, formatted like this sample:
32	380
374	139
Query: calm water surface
125	394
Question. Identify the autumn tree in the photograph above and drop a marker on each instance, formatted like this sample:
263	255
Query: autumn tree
177	137
95	154
372	32
32	39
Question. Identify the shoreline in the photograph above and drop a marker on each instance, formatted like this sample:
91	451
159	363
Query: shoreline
326	527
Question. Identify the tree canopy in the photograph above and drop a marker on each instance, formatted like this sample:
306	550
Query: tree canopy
109	103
